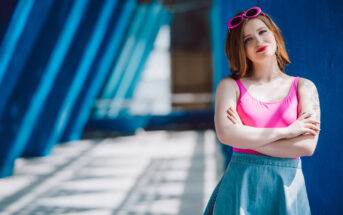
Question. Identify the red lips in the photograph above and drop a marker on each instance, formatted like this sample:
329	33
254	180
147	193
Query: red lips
261	49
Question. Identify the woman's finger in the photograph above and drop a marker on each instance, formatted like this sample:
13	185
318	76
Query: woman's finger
229	111
236	115
231	119
305	115
234	112
312	121
310	132
314	128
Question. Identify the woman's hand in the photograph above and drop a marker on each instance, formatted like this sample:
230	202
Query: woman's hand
303	126
233	116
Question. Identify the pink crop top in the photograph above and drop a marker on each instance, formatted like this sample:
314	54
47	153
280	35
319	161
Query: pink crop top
260	114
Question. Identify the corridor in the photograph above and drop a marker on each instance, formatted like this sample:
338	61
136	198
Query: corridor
156	172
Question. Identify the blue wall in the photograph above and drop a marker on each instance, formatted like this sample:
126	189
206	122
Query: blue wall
313	32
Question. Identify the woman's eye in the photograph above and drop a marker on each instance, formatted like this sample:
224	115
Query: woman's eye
247	40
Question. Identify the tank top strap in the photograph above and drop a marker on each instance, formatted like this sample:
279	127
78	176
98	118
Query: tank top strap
241	86
295	82
293	92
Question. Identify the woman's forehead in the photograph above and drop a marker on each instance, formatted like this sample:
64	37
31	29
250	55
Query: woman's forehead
252	25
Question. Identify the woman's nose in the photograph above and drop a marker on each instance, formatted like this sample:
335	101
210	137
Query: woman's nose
259	40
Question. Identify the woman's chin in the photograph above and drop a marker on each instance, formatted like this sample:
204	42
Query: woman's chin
263	56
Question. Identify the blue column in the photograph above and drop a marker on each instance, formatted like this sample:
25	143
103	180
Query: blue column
145	39
99	71
15	48
71	77
123	59
7	8
36	80
164	18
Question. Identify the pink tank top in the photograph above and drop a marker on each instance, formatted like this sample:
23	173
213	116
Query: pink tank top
261	114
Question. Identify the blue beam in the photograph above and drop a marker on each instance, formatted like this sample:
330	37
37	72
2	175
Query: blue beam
22	50
70	78
124	57
82	110
143	40
38	99
82	72
194	119
7	8
20	99
13	34
163	19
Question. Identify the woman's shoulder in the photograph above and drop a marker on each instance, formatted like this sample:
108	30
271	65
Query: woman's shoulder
227	83
307	89
305	83
301	81
227	87
228	79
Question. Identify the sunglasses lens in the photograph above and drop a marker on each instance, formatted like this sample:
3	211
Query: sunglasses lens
236	21
252	13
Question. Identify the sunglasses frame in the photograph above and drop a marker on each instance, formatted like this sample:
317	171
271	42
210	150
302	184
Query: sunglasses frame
259	11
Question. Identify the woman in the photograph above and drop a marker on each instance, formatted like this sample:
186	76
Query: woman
270	119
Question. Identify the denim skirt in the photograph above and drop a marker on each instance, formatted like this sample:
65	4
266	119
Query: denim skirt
257	184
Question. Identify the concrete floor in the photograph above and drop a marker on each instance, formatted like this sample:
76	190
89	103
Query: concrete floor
155	172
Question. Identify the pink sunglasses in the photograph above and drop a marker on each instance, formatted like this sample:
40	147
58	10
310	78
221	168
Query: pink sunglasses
250	13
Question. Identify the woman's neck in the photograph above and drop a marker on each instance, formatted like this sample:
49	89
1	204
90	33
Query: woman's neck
266	71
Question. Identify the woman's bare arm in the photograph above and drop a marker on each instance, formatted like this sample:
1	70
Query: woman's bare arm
289	148
239	136
303	145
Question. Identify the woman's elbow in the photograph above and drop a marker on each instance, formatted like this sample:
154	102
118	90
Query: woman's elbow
223	138
310	149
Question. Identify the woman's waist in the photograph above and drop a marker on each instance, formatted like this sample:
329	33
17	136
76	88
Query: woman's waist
265	160
250	151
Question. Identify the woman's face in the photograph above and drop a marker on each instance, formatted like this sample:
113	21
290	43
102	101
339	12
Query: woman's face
259	41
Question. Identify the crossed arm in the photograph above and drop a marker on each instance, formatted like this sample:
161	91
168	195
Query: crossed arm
270	141
303	145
